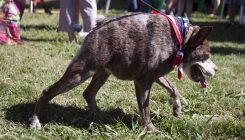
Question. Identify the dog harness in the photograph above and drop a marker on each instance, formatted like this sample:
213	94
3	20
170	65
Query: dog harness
181	27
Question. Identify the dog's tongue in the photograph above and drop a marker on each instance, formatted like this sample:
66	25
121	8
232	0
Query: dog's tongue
204	83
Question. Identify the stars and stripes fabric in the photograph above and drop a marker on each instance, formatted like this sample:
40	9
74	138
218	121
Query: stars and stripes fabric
181	27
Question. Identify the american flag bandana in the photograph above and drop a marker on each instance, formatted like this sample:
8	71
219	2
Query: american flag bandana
181	27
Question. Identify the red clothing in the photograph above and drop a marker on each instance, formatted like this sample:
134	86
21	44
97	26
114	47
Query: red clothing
10	22
39	1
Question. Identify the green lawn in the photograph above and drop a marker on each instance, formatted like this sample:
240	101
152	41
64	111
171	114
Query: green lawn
215	113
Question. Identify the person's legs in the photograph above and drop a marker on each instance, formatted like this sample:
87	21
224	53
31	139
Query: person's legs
132	6
170	5
144	7
232	12
76	11
46	8
242	17
13	22
72	37
88	10
189	7
21	6
215	8
66	18
15	31
180	9
3	34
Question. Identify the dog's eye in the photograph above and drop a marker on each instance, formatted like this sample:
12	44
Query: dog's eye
205	57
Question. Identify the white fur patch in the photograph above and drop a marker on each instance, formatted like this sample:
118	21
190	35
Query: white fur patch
208	67
143	20
35	124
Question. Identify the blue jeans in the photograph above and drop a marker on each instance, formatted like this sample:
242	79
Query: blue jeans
144	7
132	6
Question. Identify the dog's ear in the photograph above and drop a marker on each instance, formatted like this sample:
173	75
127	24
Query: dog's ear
201	35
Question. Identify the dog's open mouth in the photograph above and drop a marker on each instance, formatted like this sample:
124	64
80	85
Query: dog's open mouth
197	75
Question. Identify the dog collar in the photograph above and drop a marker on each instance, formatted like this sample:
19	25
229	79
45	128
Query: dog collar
181	27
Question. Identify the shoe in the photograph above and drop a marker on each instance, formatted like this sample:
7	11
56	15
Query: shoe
46	8
83	34
211	15
48	11
11	42
100	17
77	27
20	42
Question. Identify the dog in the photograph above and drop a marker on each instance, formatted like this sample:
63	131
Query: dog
137	47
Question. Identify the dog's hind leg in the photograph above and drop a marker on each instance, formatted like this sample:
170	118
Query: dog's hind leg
90	92
142	89
172	89
75	74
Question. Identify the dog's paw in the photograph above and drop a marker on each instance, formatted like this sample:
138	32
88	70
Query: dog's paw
177	113
34	122
177	108
151	128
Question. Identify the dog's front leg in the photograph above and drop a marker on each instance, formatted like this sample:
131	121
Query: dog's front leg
172	89
142	90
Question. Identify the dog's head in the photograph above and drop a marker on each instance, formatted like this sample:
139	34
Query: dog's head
197	61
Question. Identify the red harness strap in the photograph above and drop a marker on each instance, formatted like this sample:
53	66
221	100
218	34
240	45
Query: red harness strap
173	24
180	55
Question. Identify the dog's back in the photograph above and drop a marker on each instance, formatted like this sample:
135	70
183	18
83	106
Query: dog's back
131	46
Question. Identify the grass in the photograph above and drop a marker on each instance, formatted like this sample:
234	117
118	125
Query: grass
215	113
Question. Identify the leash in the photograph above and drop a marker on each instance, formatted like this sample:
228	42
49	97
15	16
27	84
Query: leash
170	19
180	54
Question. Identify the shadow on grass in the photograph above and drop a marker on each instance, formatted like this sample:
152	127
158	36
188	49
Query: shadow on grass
227	51
69	116
40	39
39	27
43	39
221	33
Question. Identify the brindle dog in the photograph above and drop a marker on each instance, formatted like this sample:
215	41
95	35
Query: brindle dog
140	47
